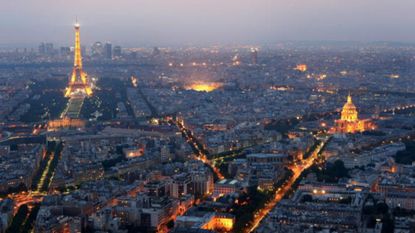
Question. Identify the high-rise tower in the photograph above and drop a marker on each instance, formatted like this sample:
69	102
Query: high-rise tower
78	83
254	56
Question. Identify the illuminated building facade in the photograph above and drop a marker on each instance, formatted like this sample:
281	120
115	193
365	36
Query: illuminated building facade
236	61
133	152
301	67
204	86
349	121
225	187
65	123
216	222
78	83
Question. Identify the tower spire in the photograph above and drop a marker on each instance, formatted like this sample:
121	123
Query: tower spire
349	98
78	56
78	83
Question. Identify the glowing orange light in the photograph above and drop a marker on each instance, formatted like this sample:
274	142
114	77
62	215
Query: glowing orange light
301	67
207	87
134	81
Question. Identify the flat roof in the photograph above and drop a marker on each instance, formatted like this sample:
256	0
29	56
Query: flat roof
262	155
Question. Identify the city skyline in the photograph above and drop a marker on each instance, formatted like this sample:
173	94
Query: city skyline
184	22
129	120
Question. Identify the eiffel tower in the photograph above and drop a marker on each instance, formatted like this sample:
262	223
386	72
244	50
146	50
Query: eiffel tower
79	85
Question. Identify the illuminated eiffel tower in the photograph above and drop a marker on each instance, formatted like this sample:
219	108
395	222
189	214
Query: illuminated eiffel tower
79	85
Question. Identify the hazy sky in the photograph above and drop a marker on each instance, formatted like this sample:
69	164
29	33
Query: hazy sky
199	22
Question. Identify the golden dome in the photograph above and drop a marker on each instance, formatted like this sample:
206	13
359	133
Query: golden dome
349	111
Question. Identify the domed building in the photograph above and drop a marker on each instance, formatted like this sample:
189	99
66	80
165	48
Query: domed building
349	112
349	121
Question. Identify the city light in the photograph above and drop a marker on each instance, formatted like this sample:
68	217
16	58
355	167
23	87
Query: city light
301	67
226	128
206	87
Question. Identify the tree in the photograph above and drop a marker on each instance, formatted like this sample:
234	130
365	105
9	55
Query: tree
27	227
333	172
18	219
307	198
382	208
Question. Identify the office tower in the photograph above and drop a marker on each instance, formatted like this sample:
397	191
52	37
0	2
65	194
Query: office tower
65	51
42	48
117	51
108	50
254	56
97	49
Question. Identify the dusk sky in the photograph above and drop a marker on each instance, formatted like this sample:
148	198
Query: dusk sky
205	22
